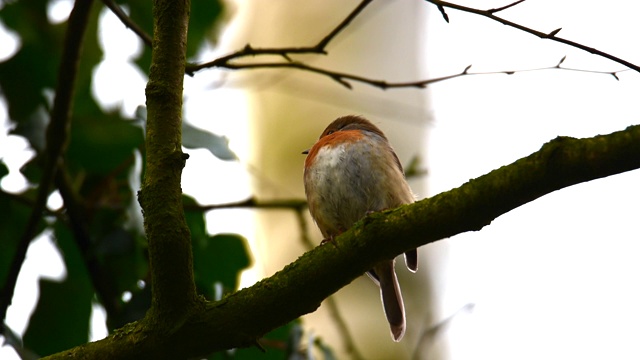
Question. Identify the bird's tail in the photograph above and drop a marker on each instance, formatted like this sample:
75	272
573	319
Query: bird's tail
391	298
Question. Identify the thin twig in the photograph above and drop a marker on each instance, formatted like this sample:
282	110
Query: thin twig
495	10
249	51
128	22
551	35
327	39
20	198
443	13
344	78
293	204
57	138
226	62
429	334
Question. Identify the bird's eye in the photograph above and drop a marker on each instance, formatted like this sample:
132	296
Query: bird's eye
330	132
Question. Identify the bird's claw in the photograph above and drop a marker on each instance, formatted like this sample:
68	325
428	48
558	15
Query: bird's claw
330	240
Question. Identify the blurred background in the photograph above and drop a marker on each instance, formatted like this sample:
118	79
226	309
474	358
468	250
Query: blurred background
555	278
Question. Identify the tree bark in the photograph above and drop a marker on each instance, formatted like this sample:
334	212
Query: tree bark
170	254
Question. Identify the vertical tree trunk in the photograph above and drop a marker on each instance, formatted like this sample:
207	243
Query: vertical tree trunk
170	253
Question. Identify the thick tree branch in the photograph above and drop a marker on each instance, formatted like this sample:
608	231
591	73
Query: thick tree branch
490	13
170	255
57	139
241	318
332	305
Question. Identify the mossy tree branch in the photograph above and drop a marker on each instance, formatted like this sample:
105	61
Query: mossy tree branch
170	257
241	318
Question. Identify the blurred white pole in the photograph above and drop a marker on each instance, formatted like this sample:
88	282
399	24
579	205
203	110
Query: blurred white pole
289	108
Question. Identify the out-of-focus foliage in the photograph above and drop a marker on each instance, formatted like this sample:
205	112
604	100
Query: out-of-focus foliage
196	138
286	342
109	263
217	260
66	304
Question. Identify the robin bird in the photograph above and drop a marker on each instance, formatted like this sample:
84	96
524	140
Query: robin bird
350	172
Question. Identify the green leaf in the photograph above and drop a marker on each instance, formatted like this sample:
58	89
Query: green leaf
34	67
203	23
220	259
141	13
61	318
133	310
194	138
33	70
33	128
4	171
102	142
13	221
195	220
121	260
277	345
217	259
32	170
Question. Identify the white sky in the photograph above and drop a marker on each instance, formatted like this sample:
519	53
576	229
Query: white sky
554	279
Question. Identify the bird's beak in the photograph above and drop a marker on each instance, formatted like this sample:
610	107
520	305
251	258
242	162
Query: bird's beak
306	151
